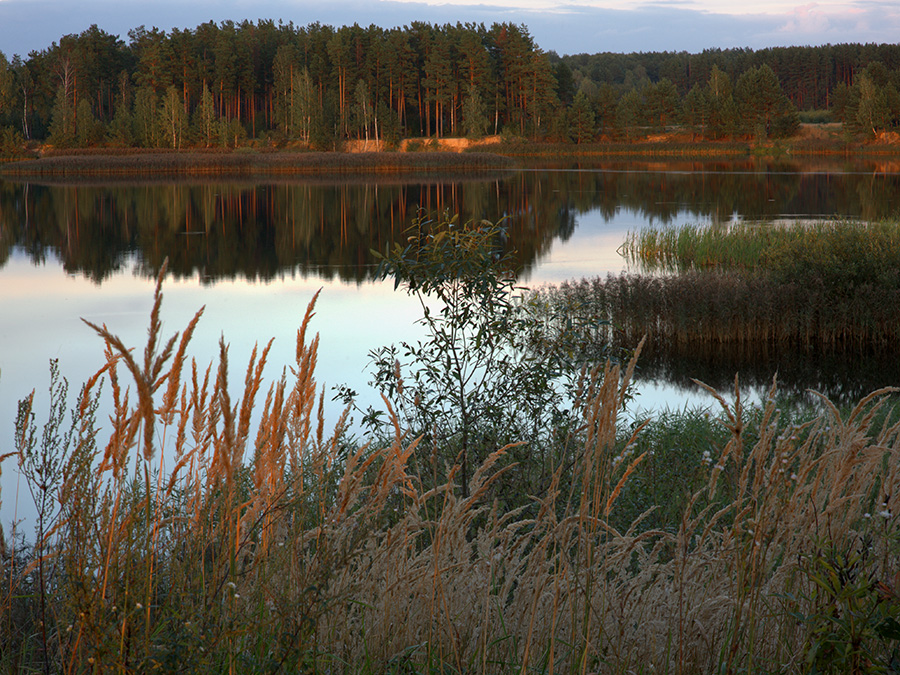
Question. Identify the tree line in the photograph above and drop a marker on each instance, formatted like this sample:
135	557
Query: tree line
220	84
857	83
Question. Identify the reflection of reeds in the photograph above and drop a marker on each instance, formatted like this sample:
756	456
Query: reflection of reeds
844	377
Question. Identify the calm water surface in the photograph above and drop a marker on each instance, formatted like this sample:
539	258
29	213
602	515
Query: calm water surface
254	254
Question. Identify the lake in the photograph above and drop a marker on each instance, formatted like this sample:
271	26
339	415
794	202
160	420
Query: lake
255	253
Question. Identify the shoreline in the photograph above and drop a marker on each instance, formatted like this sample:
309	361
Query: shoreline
244	163
442	157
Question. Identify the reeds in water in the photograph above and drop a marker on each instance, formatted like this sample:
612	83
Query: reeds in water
843	253
706	309
190	540
827	286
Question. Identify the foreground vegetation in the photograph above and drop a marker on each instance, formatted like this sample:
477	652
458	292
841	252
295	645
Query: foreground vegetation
220	528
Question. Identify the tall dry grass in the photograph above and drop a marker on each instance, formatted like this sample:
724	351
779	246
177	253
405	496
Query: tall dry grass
196	539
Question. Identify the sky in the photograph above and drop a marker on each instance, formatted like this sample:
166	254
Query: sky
563	26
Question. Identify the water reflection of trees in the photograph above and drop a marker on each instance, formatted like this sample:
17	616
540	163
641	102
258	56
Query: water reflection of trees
258	231
719	190
255	231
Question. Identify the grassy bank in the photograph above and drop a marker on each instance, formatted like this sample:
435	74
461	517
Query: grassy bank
205	531
433	154
251	163
667	149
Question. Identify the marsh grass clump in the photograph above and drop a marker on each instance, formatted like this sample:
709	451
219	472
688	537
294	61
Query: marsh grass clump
709	309
832	287
841	254
675	249
216	525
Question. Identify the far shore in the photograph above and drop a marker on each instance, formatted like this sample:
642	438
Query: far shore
248	162
429	156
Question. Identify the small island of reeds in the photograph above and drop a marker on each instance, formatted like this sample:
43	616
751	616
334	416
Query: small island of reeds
828	287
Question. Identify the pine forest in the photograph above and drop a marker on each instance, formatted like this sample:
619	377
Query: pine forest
223	85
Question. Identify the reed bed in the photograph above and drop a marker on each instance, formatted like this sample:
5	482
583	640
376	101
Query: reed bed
190	538
830	286
711	309
254	163
674	249
841	252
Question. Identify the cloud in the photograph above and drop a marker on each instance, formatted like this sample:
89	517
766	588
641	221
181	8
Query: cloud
815	24
576	26
808	19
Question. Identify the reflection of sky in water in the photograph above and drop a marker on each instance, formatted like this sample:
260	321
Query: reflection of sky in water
42	308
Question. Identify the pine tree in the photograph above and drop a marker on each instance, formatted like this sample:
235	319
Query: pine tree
7	90
565	83
205	118
121	130
695	110
581	119
721	110
628	113
605	103
662	103
362	110
283	90
145	119
763	105
88	130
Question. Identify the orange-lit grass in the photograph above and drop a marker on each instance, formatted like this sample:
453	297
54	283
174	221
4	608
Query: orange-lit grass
637	148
